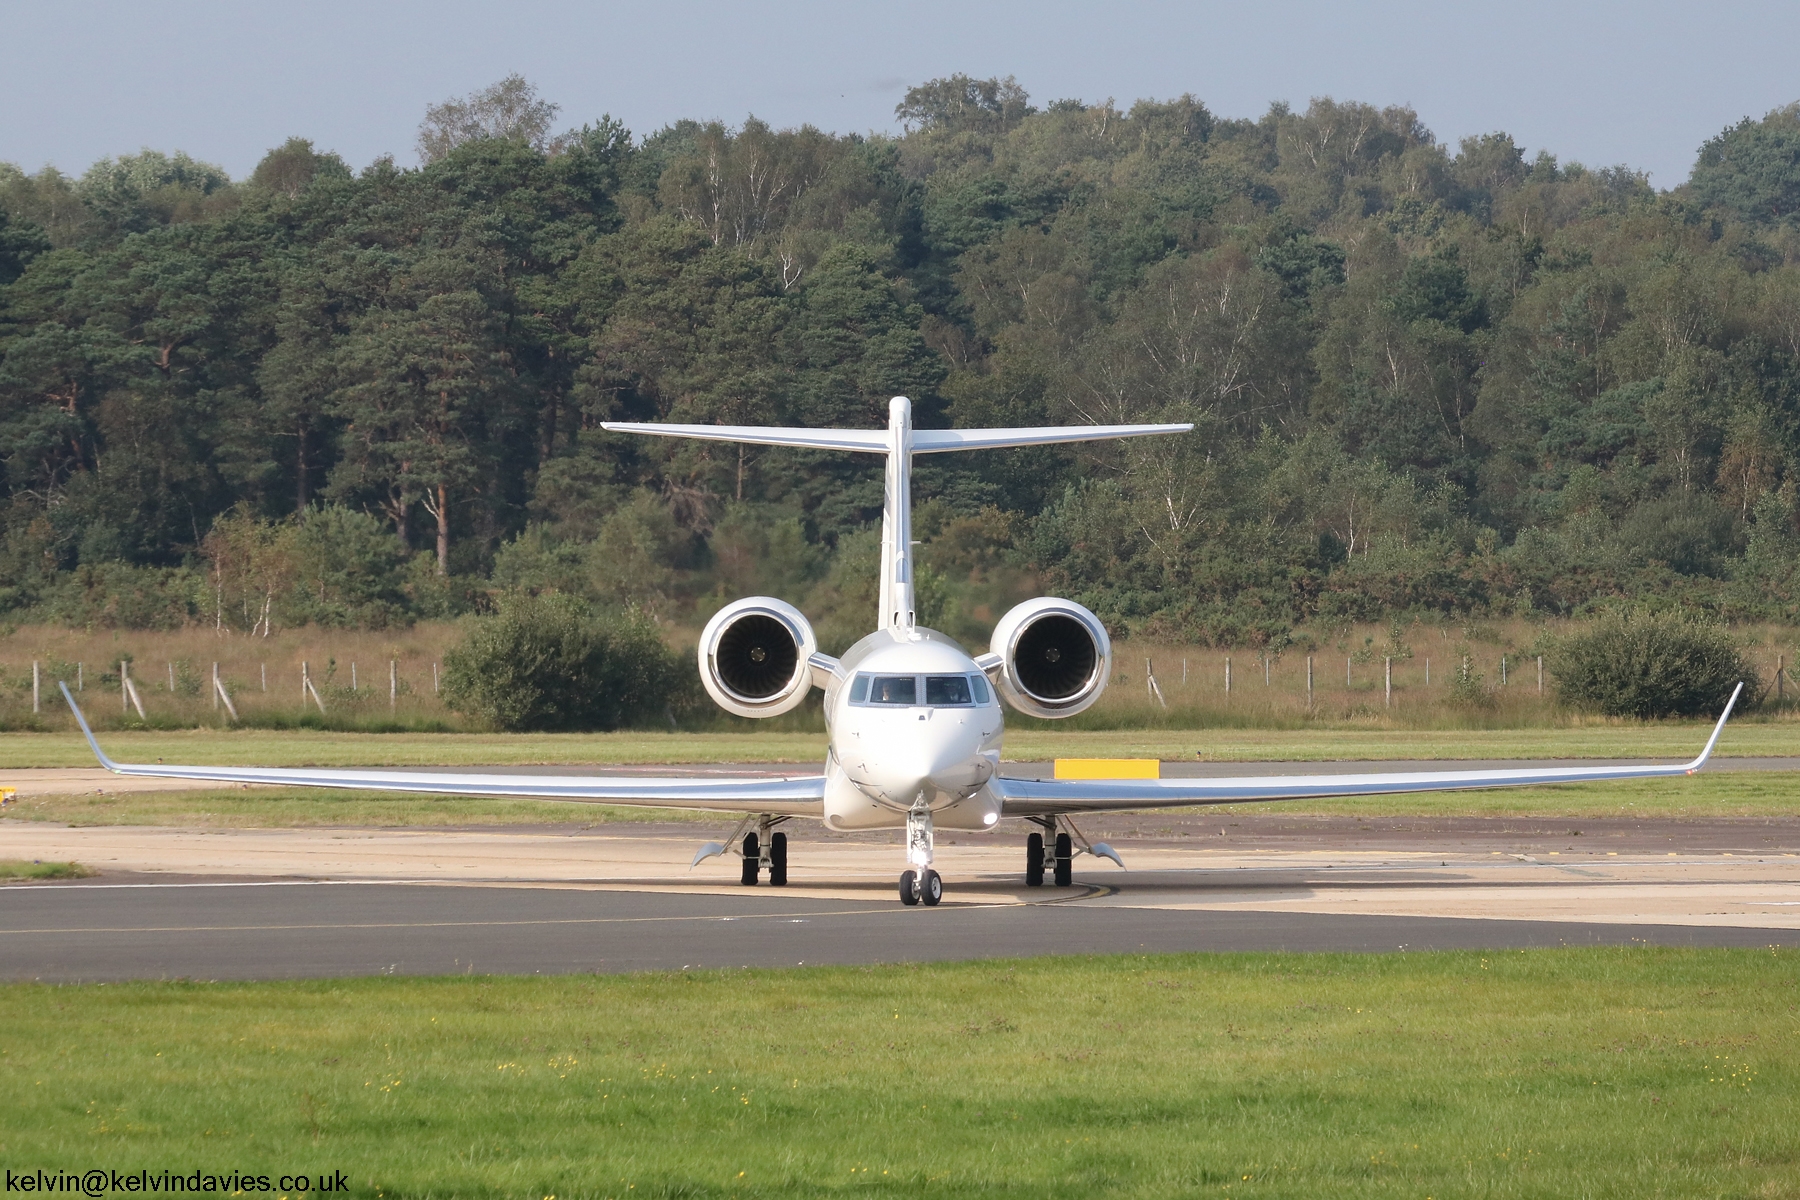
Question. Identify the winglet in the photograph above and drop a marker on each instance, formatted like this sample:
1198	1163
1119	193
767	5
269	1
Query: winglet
80	720
1717	730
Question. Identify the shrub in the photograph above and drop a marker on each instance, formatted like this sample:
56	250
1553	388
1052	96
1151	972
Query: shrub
1646	664
551	663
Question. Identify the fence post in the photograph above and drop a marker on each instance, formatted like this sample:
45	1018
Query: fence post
171	679
1265	668
434	679
1387	682
34	685
1427	670
1228	674
129	694
1347	683
219	693
305	682
1540	674
1309	690
1780	689
80	677
1503	670
265	676
353	675
393	683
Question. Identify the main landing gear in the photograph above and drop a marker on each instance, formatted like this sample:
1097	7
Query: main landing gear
1062	863
1064	849
764	850
919	883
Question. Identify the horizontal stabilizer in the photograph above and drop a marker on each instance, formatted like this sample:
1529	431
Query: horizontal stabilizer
932	441
871	441
876	441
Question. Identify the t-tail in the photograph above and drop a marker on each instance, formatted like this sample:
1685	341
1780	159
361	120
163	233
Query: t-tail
899	441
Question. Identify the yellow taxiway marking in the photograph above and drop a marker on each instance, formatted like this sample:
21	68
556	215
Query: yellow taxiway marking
1108	768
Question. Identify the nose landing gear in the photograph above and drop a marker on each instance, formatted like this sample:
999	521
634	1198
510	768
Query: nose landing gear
920	884
926	888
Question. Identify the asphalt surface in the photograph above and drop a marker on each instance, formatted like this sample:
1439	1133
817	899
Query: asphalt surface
69	934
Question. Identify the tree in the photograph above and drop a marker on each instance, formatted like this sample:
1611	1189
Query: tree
425	389
1752	169
551	663
510	110
959	103
1651	664
290	168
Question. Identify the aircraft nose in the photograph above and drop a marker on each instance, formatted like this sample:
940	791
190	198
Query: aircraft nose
905	772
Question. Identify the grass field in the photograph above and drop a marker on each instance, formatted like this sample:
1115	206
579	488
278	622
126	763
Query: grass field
1596	1073
14	870
1746	794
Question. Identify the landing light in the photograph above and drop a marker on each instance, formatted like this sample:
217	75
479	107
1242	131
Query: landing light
989	818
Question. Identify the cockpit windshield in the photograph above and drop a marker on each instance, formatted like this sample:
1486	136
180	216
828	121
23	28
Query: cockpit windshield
947	689
941	691
894	689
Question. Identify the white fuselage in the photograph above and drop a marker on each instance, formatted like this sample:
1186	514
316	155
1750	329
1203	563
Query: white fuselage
914	725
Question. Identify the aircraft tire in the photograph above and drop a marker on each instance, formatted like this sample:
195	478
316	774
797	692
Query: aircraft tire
778	860
931	888
752	851
1034	860
1065	860
909	887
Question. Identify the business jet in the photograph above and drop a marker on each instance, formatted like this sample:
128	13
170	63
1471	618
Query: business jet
914	719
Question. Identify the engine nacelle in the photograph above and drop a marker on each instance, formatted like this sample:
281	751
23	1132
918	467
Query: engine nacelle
755	657
1055	657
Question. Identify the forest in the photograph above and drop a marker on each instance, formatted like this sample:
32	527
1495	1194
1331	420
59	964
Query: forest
1426	382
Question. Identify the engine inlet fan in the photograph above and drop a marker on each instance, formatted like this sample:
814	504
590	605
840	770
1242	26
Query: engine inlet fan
1055	657
756	656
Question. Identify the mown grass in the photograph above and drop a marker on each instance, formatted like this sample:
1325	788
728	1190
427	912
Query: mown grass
308	747
284	808
1745	794
19	869
1594	1072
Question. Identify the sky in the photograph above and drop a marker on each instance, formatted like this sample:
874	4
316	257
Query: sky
1640	84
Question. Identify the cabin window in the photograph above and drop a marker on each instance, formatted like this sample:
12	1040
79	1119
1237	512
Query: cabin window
947	689
859	689
894	689
979	682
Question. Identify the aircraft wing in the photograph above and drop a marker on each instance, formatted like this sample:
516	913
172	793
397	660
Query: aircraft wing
1048	797
798	795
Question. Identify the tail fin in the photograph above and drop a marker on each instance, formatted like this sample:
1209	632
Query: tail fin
899	441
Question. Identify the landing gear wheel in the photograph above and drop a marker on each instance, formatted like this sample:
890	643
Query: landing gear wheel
778	860
752	850
1034	860
1065	860
931	888
909	887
